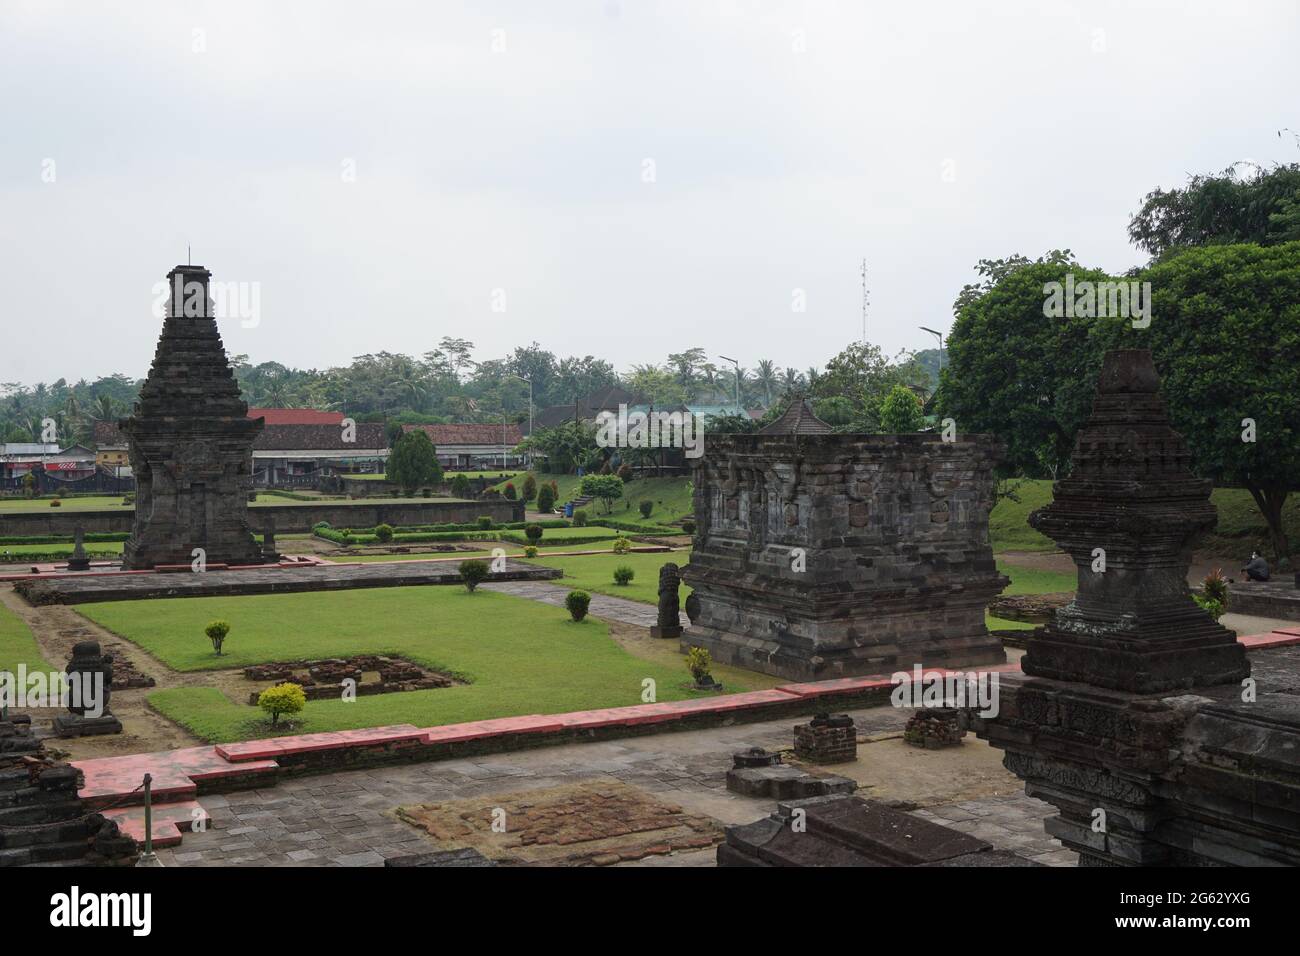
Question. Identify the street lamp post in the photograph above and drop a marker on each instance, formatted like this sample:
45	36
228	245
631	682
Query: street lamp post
530	413
737	364
939	336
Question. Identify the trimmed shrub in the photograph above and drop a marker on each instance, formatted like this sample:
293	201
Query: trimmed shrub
511	494
688	527
580	518
545	499
530	552
217	632
460	487
534	533
625	471
56	503
646	507
530	487
622	545
623	575
286	698
384	532
473	572
699	663
577	602
484	523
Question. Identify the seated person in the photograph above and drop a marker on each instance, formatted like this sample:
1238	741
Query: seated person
1257	568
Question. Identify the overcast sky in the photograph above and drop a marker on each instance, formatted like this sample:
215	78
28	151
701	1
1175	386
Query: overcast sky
637	178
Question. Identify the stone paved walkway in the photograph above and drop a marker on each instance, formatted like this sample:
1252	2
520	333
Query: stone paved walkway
602	605
346	818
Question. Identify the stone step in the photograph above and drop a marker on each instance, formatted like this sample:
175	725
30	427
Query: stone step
71	852
32	836
170	821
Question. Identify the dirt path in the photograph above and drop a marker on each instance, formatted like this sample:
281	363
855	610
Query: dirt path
57	628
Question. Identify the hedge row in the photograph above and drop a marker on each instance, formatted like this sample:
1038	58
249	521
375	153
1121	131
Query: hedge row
46	557
430	532
618	525
63	538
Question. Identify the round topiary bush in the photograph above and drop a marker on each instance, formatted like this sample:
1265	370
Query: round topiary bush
384	532
286	698
622	545
623	575
688	527
646	507
580	518
545	499
577	602
460	487
484	523
473	572
534	533
530	487
56	503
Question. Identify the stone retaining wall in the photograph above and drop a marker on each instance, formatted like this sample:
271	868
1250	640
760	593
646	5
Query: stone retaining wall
288	518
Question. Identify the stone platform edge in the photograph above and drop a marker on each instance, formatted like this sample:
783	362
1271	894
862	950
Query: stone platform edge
182	775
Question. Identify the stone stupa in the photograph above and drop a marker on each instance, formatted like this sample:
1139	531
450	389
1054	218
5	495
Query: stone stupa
191	442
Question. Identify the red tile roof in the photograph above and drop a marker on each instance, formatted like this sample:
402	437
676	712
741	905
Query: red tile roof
468	434
296	416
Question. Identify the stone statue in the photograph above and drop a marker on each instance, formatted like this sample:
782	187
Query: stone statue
79	561
669	622
269	554
90	679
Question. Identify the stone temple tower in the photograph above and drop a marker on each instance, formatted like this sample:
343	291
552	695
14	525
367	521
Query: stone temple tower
191	442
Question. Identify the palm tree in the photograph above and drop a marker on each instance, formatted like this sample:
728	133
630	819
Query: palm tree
793	380
765	378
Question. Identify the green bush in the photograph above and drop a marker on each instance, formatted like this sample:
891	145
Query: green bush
646	507
530	487
1215	588
510	492
56	503
460	487
534	533
384	532
484	523
1210	606
699	663
622	545
530	552
545	499
473	572
688	526
577	602
286	698
580	518
623	575
217	632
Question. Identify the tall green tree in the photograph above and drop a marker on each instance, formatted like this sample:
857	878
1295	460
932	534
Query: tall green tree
414	462
1241	204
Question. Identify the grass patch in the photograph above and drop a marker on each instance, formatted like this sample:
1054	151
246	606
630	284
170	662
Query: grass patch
18	645
595	572
523	657
1037	580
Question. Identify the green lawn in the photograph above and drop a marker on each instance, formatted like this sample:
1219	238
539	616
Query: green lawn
522	656
92	503
1241	527
595	572
18	646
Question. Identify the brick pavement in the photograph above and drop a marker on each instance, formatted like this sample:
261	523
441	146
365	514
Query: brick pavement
348	819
